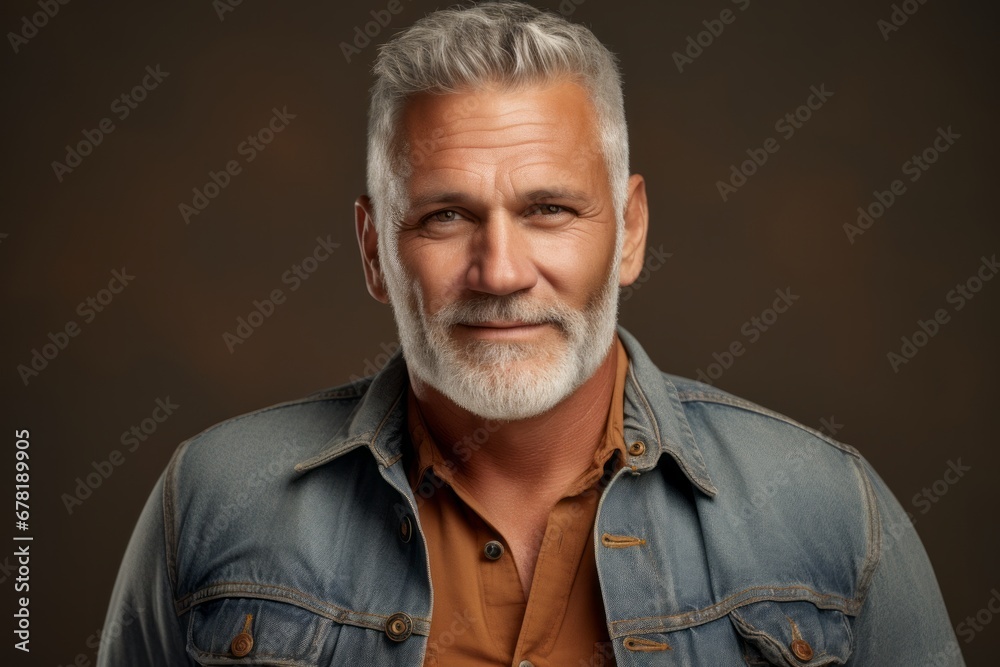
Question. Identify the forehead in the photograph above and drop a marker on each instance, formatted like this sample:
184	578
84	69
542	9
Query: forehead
552	123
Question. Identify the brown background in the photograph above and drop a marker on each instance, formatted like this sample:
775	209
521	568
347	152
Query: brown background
162	336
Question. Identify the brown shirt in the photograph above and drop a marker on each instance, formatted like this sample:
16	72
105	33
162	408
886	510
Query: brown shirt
480	615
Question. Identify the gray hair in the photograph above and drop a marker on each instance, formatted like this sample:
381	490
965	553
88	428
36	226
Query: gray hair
506	44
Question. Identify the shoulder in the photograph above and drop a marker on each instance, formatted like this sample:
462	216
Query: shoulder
729	425
264	444
793	493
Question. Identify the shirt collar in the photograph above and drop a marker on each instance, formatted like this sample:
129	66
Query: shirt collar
379	420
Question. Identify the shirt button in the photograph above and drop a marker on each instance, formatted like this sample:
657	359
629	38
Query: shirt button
637	448
398	627
405	529
493	551
802	650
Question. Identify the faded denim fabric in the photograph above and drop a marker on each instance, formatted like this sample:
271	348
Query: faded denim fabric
760	542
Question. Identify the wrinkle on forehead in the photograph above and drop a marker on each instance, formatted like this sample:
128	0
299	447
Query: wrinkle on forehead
493	113
501	137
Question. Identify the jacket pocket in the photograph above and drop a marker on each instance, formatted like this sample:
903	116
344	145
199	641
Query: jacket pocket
250	631
792	634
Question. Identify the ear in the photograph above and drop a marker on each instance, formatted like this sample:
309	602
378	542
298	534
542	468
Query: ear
364	224
636	226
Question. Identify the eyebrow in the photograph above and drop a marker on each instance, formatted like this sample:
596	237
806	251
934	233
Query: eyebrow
532	196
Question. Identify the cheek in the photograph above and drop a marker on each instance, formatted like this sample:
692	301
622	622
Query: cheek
578	266
434	272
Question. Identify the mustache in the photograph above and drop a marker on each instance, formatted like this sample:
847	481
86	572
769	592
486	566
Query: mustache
509	307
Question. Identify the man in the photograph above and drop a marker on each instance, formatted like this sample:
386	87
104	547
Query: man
521	485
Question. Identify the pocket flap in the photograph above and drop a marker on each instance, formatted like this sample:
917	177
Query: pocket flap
793	634
249	631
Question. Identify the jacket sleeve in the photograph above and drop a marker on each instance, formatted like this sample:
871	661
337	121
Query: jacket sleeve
142	627
903	620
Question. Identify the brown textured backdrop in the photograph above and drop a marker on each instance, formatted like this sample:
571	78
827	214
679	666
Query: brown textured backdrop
63	234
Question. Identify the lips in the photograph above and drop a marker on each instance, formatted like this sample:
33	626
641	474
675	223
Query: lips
502	330
501	325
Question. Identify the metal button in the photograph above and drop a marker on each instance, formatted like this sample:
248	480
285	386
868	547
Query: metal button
493	550
405	529
399	627
637	448
243	642
802	650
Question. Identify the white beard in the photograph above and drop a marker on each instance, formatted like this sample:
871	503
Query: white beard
502	380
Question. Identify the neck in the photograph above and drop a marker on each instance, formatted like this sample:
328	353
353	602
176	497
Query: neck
538	456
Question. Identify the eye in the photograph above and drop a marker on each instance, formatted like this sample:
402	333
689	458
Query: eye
549	209
447	215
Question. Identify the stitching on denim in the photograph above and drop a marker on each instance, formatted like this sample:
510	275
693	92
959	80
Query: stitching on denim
777	643
325	623
347	390
381	425
766	638
704	483
278	406
170	542
650	416
733	401
873	555
368	439
322	630
192	600
714	612
250	589
750	632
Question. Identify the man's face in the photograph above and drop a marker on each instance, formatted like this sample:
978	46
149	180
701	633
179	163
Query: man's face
505	291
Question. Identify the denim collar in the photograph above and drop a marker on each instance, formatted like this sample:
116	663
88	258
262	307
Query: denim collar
653	415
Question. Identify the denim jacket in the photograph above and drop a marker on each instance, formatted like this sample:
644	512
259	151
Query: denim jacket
290	536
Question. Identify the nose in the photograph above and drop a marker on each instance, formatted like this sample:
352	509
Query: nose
501	257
